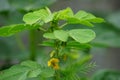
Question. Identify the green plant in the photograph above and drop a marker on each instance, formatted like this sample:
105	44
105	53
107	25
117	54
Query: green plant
68	59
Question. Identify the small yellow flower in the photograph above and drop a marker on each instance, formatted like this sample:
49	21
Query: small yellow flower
53	63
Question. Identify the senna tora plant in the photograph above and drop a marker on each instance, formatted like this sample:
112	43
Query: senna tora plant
68	59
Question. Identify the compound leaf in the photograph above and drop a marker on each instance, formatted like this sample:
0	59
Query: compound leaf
84	18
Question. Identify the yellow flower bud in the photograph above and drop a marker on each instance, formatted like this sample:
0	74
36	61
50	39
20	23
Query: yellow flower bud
53	63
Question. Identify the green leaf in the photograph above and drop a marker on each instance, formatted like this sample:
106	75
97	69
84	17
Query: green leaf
97	20
32	65
61	35
16	72
81	14
49	36
57	34
49	18
84	18
47	72
21	71
63	14
82	35
91	18
36	16
74	44
12	29
78	21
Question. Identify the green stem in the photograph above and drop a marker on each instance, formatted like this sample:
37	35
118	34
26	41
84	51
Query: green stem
42	29
32	45
57	47
63	25
57	75
19	42
54	26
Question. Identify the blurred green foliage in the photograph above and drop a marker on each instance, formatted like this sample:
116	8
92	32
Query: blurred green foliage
106	75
